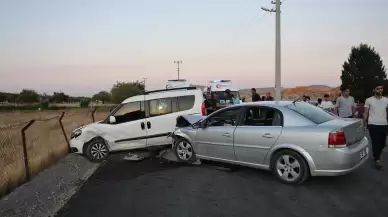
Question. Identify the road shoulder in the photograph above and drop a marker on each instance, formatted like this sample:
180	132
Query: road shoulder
49	190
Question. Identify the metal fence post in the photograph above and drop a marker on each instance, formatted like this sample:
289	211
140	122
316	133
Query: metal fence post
25	153
94	111
63	131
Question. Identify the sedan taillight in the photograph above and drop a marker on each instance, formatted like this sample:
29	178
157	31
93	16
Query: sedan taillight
337	139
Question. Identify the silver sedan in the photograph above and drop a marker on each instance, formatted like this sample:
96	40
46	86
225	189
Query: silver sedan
294	140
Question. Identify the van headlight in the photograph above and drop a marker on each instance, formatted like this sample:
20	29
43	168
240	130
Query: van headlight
75	134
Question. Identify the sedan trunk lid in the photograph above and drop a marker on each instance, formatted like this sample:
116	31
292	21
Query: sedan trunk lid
353	129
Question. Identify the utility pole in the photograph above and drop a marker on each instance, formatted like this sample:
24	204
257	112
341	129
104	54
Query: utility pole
278	80
178	62
144	83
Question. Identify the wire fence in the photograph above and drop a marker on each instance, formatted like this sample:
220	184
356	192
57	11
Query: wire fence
28	147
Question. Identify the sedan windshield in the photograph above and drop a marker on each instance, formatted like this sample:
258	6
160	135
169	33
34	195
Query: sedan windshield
313	113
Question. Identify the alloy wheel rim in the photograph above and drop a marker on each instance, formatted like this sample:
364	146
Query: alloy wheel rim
184	150
288	168
99	151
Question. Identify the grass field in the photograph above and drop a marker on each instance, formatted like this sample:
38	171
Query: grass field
45	141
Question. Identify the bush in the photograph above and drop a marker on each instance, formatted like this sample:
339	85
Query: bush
44	105
84	103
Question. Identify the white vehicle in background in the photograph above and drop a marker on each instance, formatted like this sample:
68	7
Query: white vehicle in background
218	87
142	121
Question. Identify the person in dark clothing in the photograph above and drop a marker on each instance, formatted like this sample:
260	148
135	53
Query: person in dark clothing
226	100
263	98
255	96
268	97
210	103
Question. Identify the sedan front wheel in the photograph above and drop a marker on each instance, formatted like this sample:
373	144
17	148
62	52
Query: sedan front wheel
184	151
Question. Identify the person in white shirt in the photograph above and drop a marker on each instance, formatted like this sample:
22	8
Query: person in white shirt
375	118
326	104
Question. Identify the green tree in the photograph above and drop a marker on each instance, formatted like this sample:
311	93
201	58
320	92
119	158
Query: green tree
59	97
122	90
28	96
102	96
363	69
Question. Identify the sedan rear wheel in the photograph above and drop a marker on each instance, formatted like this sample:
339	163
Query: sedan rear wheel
184	151
289	167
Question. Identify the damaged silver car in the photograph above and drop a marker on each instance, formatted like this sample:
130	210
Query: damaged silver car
294	140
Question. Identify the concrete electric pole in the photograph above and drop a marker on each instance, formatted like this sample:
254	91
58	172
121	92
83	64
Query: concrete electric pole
278	80
144	83
178	62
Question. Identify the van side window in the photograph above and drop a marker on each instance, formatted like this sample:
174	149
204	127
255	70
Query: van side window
160	107
132	111
186	102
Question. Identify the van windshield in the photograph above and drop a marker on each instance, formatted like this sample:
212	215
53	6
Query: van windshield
313	113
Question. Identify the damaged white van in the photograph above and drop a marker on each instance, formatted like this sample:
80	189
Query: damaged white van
142	121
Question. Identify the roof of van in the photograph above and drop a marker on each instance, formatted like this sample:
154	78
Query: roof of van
164	93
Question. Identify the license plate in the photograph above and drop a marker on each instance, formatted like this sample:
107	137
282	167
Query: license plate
364	153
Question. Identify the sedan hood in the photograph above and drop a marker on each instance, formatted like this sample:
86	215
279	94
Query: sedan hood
188	120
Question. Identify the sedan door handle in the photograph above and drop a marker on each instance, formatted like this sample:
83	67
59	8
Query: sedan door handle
226	134
267	135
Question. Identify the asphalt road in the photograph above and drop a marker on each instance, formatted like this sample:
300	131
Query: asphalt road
155	187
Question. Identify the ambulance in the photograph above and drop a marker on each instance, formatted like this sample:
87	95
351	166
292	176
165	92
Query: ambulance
218	87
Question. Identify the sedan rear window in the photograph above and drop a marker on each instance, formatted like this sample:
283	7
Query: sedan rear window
313	113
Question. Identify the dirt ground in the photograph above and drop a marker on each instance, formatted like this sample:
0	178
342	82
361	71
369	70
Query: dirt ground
45	141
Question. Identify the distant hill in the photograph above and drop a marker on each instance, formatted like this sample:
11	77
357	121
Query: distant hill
314	91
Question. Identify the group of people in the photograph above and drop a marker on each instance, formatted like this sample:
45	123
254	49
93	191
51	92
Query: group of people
256	97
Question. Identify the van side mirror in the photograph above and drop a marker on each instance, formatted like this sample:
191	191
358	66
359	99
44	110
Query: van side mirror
112	119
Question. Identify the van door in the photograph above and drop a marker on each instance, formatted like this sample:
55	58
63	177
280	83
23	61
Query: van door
129	131
161	117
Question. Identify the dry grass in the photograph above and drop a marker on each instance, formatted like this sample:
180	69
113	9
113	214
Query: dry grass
45	141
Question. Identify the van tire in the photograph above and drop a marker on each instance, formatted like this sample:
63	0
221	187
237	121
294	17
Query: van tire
96	150
184	151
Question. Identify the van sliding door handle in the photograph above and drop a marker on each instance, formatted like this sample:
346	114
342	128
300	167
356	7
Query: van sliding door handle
142	125
148	125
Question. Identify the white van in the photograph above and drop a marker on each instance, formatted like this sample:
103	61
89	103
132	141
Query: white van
142	121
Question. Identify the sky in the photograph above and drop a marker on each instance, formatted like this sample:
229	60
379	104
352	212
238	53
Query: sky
81	47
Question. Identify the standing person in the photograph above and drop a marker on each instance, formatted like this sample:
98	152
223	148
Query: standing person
327	104
375	118
319	102
268	97
255	96
345	105
210	103
226	100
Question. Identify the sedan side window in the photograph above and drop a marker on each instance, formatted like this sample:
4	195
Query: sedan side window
224	118
262	116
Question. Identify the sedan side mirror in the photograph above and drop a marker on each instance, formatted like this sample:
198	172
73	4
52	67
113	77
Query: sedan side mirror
112	119
203	125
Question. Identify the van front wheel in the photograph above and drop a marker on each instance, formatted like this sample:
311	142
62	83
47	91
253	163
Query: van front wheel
97	150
